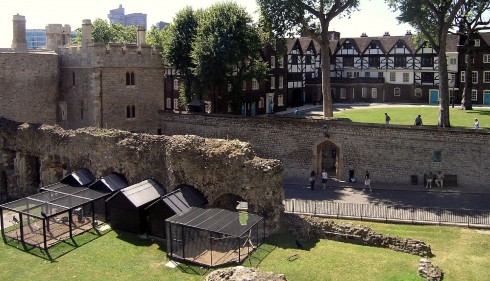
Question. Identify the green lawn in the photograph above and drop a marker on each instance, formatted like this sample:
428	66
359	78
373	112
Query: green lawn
407	115
461	253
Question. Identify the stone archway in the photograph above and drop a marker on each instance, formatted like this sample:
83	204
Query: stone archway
328	156
227	201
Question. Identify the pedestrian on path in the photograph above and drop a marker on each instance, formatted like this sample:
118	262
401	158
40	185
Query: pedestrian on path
430	178
418	121
477	124
324	178
351	173
312	180
367	182
387	118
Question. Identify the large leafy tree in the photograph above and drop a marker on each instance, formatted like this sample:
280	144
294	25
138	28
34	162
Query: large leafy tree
226	51
177	40
154	36
312	17
103	32
473	17
433	19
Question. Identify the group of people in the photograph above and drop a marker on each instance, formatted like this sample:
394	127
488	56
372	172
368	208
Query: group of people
438	179
312	179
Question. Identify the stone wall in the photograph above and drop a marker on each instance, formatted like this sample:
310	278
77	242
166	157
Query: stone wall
29	86
391	154
218	168
305	227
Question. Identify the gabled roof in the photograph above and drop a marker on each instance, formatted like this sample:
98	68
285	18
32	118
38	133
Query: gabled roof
292	44
80	177
485	36
352	41
141	193
307	43
111	183
452	43
182	199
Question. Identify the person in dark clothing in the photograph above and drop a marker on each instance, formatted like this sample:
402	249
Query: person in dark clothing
312	180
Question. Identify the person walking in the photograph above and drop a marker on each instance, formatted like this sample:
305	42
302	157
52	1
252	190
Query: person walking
477	124
418	121
387	119
324	178
367	182
430	178
312	180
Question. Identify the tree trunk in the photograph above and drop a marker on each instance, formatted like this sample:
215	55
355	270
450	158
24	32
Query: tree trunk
443	87
468	84
325	68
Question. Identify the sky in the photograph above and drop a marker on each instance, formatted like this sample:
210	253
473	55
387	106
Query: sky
374	18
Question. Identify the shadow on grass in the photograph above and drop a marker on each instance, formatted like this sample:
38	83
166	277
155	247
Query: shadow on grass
193	269
478	112
134	239
62	248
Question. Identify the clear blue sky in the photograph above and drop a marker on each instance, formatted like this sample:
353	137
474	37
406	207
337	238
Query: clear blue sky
374	18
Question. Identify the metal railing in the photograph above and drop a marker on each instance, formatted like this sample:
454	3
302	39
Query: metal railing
405	214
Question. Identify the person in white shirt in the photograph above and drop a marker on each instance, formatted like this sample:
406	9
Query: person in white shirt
324	178
477	124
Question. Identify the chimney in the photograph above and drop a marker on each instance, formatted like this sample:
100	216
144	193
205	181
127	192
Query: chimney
409	33
19	41
141	38
386	34
364	34
86	33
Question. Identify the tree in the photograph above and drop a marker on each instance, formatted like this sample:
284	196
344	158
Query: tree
312	17
433	19
103	32
226	51
154	36
471	19
177	40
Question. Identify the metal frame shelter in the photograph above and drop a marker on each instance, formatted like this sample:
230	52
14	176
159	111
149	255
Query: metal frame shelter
61	211
213	237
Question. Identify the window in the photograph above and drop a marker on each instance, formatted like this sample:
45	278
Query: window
427	61
176	103
392	76
343	93
374	62
474	77
81	110
452	61
380	74
400	61
176	84
280	60
168	103
129	78
418	92
396	93
273	82
281	82
73	78
466	59
406	77
463	74
255	84
364	93
349	74
374	93
273	62
130	111
367	74
477	42
427	77
348	61
280	100
486	77
356	74
486	58
474	95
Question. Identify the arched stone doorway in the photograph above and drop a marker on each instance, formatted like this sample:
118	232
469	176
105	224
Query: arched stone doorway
327	155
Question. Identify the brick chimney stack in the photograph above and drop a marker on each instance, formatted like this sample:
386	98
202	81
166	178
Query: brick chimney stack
19	41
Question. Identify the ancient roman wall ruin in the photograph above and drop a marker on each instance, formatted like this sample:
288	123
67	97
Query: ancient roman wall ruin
34	155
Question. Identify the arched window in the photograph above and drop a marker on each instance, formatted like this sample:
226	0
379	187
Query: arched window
129	78
418	92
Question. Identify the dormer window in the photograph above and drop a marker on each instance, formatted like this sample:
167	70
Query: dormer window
477	42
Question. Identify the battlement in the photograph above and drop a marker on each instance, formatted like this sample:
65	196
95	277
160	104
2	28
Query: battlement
113	48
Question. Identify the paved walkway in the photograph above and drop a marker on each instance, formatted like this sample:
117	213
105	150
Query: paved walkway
389	194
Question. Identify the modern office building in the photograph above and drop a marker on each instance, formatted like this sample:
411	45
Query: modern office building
161	24
36	38
118	16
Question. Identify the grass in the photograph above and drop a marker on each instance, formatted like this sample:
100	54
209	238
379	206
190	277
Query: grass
407	115
461	253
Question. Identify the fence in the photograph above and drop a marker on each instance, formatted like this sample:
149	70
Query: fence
404	214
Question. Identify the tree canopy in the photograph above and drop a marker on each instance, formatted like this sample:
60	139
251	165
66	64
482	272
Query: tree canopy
433	19
103	32
313	17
